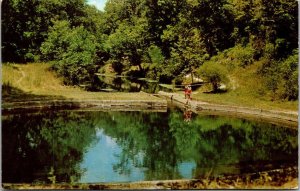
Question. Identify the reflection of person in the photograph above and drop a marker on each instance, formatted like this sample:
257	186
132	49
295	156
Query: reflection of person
187	114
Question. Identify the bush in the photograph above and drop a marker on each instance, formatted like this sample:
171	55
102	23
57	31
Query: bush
281	77
242	55
214	73
289	72
73	51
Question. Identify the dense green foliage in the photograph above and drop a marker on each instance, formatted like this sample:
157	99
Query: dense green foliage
160	39
74	51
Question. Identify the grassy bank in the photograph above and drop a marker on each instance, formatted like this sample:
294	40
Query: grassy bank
236	98
246	89
37	81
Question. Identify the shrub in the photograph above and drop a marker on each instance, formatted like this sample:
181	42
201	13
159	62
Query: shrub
214	73
289	72
242	55
73	51
281	77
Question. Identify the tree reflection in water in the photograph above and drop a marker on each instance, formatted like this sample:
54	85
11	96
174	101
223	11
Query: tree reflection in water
52	145
45	147
217	145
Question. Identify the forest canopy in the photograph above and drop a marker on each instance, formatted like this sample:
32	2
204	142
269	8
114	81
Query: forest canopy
159	39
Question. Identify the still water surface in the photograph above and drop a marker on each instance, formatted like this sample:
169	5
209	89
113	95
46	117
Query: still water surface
130	84
88	147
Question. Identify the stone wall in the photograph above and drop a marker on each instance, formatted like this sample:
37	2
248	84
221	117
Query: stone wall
198	106
116	105
273	179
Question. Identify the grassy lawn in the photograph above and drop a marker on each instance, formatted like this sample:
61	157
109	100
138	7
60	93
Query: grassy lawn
246	90
36	81
236	98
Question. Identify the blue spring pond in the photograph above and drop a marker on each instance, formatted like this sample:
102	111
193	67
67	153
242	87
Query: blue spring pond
99	146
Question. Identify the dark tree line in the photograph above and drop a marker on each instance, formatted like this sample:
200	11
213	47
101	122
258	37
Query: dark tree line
159	39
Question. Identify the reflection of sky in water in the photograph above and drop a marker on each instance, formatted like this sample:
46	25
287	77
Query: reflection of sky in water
173	151
99	160
186	169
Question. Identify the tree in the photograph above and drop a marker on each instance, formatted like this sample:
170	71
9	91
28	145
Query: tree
214	73
157	59
20	36
175	37
128	44
189	50
214	19
72	50
25	24
160	15
275	23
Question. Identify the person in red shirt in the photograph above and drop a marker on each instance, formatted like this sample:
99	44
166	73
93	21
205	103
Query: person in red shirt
189	92
185	92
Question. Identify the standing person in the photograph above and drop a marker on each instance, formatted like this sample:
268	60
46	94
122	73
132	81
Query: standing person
185	92
189	92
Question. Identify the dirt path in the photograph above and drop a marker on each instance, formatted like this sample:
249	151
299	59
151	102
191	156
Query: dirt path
198	106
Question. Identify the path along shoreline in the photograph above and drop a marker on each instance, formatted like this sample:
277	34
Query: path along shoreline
202	107
103	105
155	105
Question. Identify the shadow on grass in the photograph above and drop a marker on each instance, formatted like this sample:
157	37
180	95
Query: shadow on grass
216	92
13	94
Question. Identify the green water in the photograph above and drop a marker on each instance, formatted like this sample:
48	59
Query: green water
130	84
89	147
